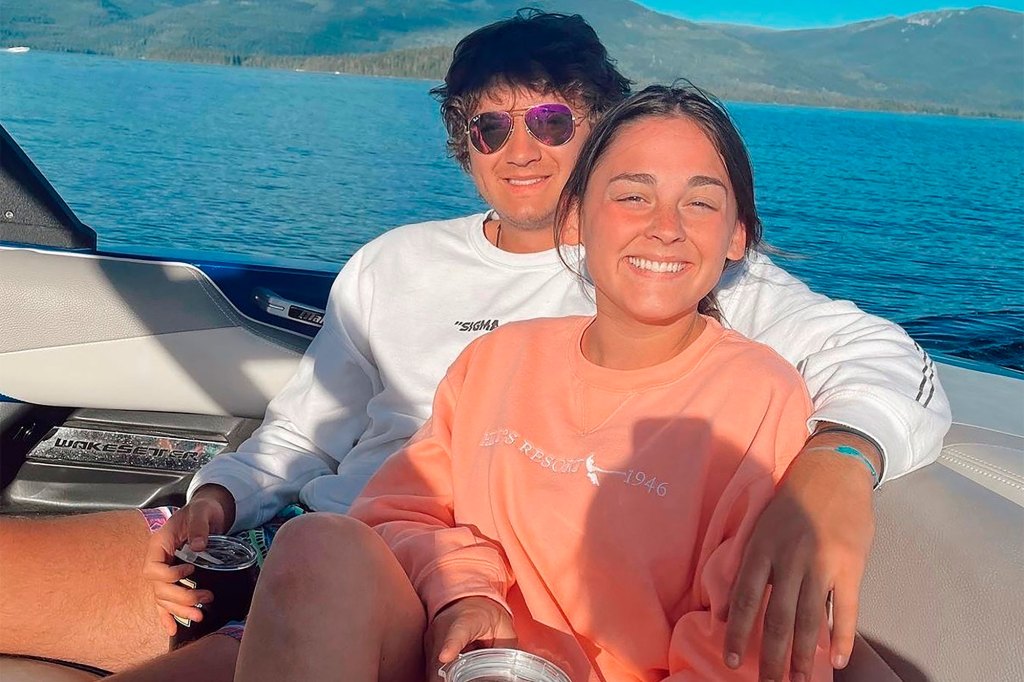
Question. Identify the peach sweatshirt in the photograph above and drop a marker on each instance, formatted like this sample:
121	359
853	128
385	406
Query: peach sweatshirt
607	510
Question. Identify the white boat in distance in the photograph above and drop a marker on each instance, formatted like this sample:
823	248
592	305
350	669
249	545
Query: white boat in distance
19	49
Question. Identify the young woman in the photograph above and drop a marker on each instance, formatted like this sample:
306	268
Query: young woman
547	503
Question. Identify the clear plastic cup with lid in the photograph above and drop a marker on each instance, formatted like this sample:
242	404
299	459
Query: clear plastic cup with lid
501	665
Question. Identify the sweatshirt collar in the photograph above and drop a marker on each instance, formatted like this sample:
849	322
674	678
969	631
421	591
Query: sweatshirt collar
489	252
663	373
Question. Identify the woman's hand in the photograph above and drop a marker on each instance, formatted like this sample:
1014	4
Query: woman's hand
812	538
472	620
211	511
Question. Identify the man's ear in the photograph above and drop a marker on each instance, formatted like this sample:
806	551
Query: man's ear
570	235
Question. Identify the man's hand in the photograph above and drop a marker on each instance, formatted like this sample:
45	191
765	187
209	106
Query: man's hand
471	620
211	511
812	538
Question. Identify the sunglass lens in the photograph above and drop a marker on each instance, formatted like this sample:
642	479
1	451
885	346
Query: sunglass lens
552	124
488	131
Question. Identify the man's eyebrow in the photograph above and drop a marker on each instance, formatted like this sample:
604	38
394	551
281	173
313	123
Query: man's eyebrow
644	178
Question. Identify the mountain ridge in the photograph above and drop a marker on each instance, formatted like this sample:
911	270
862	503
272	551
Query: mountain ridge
962	61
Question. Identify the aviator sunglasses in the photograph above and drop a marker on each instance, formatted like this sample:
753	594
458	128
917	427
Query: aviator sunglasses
549	124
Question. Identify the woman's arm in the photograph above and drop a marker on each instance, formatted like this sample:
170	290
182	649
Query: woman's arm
409	502
698	638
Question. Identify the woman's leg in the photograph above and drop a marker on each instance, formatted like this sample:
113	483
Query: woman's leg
332	603
210	659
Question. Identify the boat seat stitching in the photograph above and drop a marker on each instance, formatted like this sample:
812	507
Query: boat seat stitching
205	288
987	474
234	318
994	467
977	460
984	466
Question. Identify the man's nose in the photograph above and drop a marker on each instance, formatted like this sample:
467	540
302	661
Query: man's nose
522	148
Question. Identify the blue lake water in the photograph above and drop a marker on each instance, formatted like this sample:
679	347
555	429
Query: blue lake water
916	218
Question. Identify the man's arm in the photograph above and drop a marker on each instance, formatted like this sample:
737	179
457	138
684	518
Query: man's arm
311	425
867	375
861	370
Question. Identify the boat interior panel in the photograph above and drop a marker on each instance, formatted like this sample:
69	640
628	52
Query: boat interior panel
104	332
106	459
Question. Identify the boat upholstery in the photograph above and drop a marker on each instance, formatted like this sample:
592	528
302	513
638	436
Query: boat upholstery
942	597
116	333
866	666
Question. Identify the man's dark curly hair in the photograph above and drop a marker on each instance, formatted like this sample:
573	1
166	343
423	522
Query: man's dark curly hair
539	51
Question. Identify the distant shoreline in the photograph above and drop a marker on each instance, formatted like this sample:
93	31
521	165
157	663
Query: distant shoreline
373	66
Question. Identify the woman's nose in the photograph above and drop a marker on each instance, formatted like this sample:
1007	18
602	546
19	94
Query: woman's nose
667	225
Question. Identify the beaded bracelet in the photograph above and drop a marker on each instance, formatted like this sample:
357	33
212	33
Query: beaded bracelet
850	451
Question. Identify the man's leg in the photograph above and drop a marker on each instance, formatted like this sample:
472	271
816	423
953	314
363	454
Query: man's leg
332	603
71	588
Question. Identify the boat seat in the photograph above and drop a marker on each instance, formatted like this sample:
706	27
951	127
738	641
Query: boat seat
941	598
866	666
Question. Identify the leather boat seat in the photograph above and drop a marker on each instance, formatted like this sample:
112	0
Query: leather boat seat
941	597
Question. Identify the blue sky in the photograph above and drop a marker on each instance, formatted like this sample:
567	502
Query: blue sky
801	13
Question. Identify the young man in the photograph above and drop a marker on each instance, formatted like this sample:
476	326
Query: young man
518	100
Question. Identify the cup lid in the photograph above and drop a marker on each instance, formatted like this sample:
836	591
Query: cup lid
502	665
222	553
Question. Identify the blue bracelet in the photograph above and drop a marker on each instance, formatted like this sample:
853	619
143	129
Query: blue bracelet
850	451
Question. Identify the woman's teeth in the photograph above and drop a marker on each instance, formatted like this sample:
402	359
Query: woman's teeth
655	266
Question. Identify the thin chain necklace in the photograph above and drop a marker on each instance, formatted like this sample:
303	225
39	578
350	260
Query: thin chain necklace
497	237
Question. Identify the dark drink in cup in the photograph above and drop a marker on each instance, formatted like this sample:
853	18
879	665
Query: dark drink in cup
227	567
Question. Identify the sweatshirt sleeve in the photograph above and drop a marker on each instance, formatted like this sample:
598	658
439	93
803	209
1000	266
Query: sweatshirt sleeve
311	425
861	370
409	502
698	638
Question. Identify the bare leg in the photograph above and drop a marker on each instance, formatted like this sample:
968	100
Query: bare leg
71	588
210	659
332	603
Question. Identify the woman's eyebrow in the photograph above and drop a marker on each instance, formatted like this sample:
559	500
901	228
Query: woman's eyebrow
644	178
648	179
702	180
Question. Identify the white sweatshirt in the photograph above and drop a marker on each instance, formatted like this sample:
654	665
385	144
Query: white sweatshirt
407	303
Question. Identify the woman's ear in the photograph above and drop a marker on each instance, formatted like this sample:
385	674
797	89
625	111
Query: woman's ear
738	243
